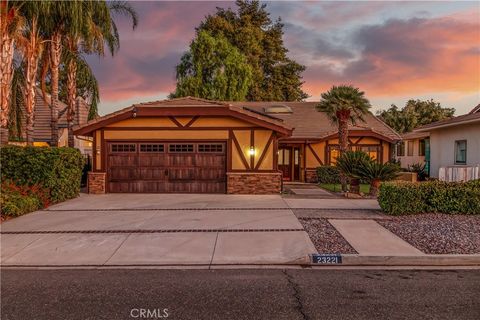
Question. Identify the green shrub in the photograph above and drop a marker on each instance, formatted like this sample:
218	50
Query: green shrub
402	197
57	169
17	200
328	174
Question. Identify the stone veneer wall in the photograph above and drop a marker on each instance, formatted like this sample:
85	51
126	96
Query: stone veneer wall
96	182
311	176
254	183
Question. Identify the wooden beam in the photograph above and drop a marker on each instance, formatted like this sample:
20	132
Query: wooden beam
265	150
240	151
174	120
191	121
315	154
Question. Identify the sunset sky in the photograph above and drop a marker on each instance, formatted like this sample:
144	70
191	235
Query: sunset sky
393	51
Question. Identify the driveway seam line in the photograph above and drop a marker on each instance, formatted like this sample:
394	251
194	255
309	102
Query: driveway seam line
121	244
151	231
213	253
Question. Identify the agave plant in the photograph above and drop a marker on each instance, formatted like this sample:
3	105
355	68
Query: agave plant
349	164
375	173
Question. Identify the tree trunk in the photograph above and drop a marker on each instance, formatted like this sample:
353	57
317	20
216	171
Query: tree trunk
71	99
374	185
6	75
343	142
354	185
55	56
32	54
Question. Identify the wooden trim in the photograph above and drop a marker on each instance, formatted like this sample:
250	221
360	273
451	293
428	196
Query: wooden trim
104	159
360	139
94	152
149	111
252	144
253	172
275	152
239	149
177	128
229	150
265	151
303	177
174	120
189	123
315	154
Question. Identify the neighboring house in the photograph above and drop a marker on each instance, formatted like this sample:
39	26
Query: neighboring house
455	146
201	146
413	149
42	123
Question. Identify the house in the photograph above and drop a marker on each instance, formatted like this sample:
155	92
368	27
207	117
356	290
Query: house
201	146
454	146
413	149
42	123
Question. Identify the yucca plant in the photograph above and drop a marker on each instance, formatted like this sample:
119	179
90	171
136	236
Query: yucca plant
349	164
375	173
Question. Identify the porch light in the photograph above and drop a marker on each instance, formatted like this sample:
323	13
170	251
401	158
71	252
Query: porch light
252	151
134	112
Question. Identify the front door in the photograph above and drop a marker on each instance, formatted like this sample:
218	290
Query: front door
289	163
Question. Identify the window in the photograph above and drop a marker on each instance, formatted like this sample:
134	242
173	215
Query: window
180	148
334	153
210	148
152	147
372	151
123	147
410	148
421	147
461	152
401	149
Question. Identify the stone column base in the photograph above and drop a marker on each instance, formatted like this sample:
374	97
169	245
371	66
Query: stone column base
96	182
254	183
311	176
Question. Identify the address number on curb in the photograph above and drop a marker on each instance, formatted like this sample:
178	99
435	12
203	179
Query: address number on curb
326	258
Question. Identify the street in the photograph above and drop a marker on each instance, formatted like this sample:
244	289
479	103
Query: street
239	294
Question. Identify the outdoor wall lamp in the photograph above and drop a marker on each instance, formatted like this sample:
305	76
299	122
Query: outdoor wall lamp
252	151
134	112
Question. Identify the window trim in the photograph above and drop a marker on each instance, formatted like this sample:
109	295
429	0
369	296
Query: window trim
421	151
456	152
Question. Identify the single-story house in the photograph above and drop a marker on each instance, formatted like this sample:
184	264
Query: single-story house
413	149
201	146
455	146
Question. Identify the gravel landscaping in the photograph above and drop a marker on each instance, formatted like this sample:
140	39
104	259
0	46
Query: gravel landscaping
325	237
438	233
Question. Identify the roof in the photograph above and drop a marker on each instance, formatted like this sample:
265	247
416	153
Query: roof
475	110
187	106
472	117
415	135
42	130
310	124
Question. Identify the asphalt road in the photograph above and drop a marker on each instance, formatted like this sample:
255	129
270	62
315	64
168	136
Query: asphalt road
239	294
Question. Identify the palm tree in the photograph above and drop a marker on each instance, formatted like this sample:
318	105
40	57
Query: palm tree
344	105
64	18
98	29
375	173
31	44
11	24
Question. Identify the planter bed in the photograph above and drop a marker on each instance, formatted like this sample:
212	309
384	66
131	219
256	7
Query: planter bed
325	237
438	233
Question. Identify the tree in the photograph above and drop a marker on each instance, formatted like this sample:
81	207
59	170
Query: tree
31	44
415	113
98	29
11	24
275	77
344	105
213	69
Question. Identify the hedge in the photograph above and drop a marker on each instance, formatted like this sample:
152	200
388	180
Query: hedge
400	197
328	174
57	169
17	200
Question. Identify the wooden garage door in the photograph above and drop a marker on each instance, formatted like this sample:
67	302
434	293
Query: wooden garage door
166	167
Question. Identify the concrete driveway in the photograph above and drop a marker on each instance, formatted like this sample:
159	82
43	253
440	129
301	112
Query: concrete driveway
157	229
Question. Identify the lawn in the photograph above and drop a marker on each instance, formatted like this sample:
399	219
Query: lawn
365	188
